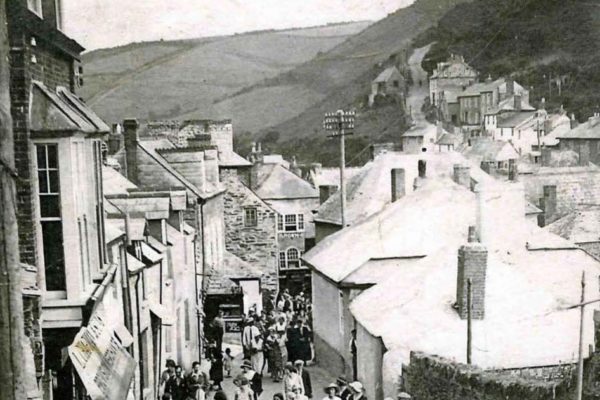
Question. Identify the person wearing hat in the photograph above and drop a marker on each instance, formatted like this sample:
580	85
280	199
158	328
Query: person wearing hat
358	391
291	379
243	390
344	391
297	393
304	377
332	392
254	378
252	342
274	356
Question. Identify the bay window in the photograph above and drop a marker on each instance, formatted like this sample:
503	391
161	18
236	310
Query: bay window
50	217
290	223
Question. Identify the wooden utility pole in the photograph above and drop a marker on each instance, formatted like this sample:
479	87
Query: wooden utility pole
579	392
342	124
12	365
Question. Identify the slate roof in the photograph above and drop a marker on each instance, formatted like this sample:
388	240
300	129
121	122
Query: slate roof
587	130
486	150
115	183
386	74
369	190
561	125
508	104
453	69
581	226
514	119
447	139
62	111
278	182
232	159
153	149
481	87
331	176
420	296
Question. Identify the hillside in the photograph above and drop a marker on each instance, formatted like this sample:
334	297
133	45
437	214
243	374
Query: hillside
532	40
170	78
342	76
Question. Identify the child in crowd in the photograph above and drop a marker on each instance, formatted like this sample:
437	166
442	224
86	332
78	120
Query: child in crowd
228	362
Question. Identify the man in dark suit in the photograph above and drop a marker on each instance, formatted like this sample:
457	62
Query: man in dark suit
299	364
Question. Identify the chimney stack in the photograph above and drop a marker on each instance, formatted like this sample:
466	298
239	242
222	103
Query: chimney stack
398	183
325	192
130	128
513	173
517	102
510	86
462	175
422	166
548	205
546	153
211	166
574	122
472	266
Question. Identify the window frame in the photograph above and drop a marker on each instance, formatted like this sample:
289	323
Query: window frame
35	6
46	170
290	223
250	221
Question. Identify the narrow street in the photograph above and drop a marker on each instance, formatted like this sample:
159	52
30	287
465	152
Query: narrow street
417	93
319	378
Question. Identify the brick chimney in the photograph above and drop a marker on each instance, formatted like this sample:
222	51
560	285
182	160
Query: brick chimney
547	205
211	165
130	129
471	266
462	175
325	192
398	183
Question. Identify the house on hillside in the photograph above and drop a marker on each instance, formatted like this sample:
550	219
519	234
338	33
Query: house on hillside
448	106
294	200
451	76
389	82
379	186
481	102
584	140
508	262
419	139
492	156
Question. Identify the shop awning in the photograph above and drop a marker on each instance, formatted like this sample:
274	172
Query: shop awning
133	264
150	254
162	313
101	361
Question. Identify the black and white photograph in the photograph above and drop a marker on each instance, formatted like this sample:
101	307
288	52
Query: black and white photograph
300	200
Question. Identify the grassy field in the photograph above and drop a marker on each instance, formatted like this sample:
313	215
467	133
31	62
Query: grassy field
172	79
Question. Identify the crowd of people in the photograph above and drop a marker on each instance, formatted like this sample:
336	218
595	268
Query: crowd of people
277	341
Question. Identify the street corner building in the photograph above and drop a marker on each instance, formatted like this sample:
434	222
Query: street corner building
70	279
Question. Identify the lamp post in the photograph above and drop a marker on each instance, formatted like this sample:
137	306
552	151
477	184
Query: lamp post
340	124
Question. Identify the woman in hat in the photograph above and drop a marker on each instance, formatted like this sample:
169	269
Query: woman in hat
216	365
358	391
297	393
243	391
290	380
274	355
332	391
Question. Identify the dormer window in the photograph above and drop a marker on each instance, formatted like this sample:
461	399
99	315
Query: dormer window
35	6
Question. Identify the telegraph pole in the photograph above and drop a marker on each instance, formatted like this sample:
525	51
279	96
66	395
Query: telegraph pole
12	369
469	321
341	123
580	359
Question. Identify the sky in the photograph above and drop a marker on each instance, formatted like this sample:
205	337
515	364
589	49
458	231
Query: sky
107	23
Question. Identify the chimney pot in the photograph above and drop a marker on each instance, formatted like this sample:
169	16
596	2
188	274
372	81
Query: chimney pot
398	183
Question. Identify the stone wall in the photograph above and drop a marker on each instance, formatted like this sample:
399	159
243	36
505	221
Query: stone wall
430	377
256	245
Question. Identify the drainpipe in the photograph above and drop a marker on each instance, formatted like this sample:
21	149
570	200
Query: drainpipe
199	298
127	296
139	335
97	293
